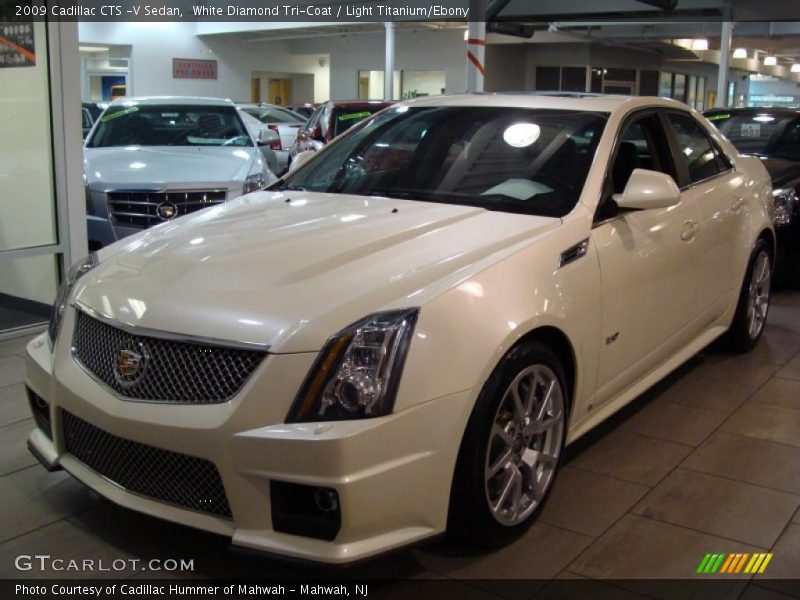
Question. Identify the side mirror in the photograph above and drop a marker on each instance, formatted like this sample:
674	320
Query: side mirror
267	137
647	190
316	134
300	158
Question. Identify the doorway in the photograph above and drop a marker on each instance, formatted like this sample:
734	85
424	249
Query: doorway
280	91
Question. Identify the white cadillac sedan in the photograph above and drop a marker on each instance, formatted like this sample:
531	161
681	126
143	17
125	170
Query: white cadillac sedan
398	338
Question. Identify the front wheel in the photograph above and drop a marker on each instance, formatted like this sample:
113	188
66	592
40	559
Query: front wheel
511	449
754	298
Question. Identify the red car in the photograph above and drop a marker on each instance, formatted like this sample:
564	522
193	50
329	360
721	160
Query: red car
331	119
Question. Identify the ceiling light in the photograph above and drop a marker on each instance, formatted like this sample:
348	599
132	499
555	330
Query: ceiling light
700	44
770	61
740	53
93	48
796	68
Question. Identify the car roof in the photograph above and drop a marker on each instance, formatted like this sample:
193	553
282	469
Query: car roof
173	100
360	103
549	101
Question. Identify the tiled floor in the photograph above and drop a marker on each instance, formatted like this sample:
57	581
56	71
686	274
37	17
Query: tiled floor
708	461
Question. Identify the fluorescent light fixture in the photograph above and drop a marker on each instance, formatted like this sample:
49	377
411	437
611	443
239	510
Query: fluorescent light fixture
740	53
93	48
700	44
796	68
770	61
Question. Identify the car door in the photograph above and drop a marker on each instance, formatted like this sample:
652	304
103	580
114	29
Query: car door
711	185
648	263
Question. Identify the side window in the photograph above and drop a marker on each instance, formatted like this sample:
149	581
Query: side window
642	145
313	119
696	150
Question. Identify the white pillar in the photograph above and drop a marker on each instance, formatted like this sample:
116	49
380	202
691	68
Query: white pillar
724	64
388	70
476	52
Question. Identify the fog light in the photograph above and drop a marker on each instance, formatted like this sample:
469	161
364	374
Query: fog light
305	510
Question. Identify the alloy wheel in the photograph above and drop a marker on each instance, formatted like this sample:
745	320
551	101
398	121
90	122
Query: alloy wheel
524	444
758	294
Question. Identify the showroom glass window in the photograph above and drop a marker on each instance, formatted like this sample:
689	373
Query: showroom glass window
500	158
701	158
163	125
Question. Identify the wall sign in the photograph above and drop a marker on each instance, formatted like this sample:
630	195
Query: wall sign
17	45
191	68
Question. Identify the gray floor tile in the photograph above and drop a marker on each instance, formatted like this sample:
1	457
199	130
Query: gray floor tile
632	457
791	370
13	404
14	453
674	422
64	541
779	392
12	370
748	459
696	389
783	568
740	368
730	509
587	502
15	346
766	422
775	348
539	554
33	498
757	592
636	548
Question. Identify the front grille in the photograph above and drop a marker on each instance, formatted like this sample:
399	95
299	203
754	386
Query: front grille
139	208
166	370
41	412
171	477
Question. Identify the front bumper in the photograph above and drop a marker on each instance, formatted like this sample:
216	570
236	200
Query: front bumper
392	474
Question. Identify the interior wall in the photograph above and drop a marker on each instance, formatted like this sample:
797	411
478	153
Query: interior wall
414	50
154	45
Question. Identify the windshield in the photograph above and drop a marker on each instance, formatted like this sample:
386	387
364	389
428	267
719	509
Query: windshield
345	118
275	115
507	159
164	125
751	133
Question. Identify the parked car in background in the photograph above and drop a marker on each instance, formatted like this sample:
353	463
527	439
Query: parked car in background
283	122
305	109
399	337
151	160
331	119
772	134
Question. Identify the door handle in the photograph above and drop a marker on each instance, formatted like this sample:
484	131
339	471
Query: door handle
690	229
737	204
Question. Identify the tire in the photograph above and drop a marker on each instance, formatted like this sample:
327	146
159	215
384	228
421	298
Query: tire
497	452
754	298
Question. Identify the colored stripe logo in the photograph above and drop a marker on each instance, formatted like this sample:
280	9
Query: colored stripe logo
737	562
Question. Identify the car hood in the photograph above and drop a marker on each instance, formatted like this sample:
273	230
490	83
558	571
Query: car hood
781	171
158	166
290	269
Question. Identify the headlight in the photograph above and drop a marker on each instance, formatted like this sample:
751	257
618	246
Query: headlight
785	201
358	371
254	183
75	272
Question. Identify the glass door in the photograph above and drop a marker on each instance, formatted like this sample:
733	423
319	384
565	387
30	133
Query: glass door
30	254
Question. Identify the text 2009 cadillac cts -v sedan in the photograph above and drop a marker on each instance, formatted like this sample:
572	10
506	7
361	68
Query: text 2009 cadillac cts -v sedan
399	337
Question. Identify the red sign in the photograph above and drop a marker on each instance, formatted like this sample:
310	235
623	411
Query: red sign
191	68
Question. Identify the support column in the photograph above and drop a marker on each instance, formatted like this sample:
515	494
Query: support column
724	64
476	46
388	69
